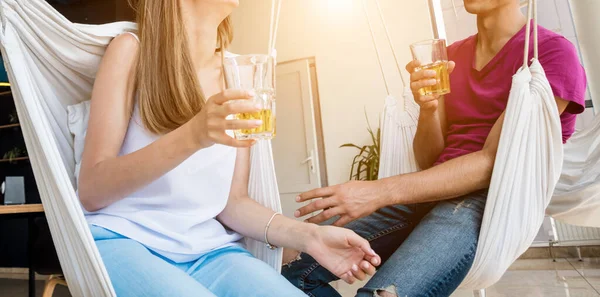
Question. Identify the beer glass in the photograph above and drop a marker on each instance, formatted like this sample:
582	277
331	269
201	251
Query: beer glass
257	73
432	55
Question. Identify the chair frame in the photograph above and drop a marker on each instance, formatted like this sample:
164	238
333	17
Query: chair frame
52	282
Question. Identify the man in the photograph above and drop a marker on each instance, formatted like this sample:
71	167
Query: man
425	225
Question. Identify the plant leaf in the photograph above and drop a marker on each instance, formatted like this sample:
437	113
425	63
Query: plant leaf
358	170
365	164
353	165
378	142
373	169
373	138
350	145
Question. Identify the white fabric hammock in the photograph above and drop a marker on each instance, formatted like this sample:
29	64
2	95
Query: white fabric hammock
398	122
51	64
525	183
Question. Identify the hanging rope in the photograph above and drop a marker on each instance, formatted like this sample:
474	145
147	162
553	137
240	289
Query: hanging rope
274	25
531	12
455	10
387	34
387	89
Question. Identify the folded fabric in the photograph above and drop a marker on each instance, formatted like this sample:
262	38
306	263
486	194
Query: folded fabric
78	115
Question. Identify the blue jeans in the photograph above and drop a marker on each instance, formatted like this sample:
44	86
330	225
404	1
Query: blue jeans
427	249
134	271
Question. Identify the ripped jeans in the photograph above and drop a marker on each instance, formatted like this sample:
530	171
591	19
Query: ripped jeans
427	249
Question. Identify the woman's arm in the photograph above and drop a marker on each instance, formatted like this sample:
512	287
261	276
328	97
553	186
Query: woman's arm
337	249
249	218
106	177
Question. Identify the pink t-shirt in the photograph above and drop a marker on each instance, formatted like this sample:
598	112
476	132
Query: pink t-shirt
478	98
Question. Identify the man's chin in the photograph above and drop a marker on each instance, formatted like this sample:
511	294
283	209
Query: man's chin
473	8
476	6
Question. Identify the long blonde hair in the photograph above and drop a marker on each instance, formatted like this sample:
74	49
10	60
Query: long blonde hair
169	93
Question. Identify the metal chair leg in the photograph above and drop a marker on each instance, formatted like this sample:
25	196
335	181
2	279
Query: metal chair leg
579	253
479	293
552	252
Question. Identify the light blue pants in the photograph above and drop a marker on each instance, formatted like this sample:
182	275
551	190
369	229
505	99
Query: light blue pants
135	270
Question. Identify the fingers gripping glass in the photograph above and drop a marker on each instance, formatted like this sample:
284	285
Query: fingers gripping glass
257	73
432	55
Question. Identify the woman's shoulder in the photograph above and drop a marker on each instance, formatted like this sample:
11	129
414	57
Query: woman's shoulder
132	36
126	44
121	53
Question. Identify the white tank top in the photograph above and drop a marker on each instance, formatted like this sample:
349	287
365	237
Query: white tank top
175	215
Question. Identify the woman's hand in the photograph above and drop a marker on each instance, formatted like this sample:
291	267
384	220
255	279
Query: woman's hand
424	78
343	253
209	126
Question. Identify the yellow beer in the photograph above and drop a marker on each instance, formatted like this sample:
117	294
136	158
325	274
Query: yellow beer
443	79
267	115
267	123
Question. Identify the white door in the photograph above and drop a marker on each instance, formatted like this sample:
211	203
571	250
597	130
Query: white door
295	147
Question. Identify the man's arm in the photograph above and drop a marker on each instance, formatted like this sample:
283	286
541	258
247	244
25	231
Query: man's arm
430	138
454	178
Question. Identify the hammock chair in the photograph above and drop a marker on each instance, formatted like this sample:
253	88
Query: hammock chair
532	176
51	64
399	117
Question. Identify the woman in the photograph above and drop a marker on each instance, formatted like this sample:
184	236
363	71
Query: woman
164	186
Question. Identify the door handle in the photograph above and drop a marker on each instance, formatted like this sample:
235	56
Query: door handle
310	160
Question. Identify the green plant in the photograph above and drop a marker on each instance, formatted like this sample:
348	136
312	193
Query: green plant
14	153
365	165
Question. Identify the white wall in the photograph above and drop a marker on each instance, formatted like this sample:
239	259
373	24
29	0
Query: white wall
459	23
587	23
335	32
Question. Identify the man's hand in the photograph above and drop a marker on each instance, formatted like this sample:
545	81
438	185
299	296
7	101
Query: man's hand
420	79
350	201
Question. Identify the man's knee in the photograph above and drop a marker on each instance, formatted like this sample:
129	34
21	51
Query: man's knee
464	211
387	292
475	202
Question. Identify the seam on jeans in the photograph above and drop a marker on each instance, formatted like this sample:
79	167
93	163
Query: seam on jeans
306	273
386	231
461	264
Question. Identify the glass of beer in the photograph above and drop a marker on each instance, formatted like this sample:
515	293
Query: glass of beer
257	73
432	55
